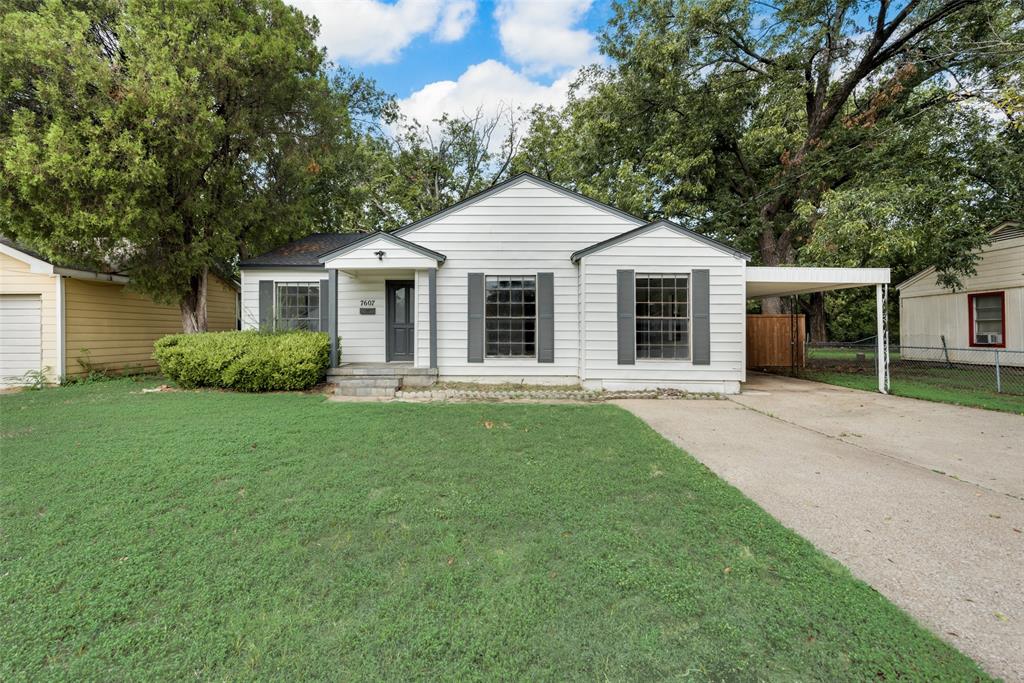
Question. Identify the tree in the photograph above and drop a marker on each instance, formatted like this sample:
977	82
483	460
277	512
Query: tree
751	120
163	138
421	169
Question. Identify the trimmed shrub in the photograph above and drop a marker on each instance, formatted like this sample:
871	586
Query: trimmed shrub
244	361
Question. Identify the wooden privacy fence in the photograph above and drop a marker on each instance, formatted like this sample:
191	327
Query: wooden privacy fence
775	341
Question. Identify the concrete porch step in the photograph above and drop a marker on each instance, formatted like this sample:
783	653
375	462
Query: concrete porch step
374	392
380	370
393	382
365	386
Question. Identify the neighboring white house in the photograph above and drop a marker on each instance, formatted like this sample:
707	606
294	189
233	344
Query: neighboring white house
987	314
529	282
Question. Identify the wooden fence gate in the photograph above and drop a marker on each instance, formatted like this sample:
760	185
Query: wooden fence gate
775	341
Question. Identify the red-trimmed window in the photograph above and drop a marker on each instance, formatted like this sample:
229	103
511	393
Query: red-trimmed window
987	313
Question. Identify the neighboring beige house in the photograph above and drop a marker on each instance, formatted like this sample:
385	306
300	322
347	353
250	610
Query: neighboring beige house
987	314
59	319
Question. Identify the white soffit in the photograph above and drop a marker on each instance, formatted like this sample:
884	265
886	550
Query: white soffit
785	281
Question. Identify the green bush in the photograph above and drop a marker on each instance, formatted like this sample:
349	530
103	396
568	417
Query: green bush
244	361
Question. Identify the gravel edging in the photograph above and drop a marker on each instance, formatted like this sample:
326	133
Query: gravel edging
583	396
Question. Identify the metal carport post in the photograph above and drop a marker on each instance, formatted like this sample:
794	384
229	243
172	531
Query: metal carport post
882	339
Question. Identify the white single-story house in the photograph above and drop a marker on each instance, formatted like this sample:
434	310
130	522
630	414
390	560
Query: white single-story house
527	282
969	325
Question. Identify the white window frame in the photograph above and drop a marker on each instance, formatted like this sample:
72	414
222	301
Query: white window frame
536	305
637	275
278	317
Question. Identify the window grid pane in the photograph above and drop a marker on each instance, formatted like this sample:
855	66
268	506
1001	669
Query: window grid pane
510	313
298	306
988	316
662	316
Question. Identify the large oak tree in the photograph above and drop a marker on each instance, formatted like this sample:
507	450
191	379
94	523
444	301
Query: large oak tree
775	124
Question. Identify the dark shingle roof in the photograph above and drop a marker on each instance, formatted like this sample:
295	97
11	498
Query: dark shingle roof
303	252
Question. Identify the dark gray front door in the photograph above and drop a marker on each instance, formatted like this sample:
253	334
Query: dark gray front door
401	333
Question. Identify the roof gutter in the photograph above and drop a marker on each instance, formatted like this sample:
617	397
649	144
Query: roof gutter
91	275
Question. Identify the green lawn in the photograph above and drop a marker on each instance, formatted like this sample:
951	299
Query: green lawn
224	536
929	387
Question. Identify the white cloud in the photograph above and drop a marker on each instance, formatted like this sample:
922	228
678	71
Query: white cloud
373	32
490	86
542	35
456	19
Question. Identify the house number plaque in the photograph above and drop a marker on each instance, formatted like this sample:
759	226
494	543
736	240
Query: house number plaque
368	307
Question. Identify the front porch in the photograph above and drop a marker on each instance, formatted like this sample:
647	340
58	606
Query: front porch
382	292
380	380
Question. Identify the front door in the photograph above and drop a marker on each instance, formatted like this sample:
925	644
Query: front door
401	333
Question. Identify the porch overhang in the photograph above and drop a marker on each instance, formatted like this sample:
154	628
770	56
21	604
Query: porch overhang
382	251
789	281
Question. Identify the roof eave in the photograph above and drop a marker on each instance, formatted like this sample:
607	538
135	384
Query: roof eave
518	178
391	237
576	256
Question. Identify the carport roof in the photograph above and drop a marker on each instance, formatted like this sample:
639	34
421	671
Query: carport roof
786	281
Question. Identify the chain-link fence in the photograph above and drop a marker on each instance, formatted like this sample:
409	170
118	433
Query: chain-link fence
978	369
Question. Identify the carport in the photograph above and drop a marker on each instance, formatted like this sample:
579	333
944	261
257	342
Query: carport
789	281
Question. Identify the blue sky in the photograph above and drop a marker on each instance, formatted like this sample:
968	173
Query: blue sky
454	56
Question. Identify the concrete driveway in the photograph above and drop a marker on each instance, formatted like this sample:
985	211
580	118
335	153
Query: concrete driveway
924	501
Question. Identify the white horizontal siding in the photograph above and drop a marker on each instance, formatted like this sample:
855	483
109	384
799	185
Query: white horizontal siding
251	288
1001	266
364	337
395	256
924	320
664	251
524	229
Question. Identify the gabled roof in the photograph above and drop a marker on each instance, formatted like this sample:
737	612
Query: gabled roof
46	266
389	237
305	252
511	182
1005	230
576	256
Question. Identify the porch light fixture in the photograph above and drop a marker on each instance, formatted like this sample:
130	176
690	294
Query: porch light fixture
379	255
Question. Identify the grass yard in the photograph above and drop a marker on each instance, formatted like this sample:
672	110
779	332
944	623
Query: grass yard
932	386
226	536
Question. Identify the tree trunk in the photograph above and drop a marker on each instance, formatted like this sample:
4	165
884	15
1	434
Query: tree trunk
775	251
193	304
816	318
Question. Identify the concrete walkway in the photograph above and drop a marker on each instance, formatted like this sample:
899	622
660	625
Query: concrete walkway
923	501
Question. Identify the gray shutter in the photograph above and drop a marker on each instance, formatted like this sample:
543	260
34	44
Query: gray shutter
701	317
325	306
545	317
626	312
266	304
475	296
